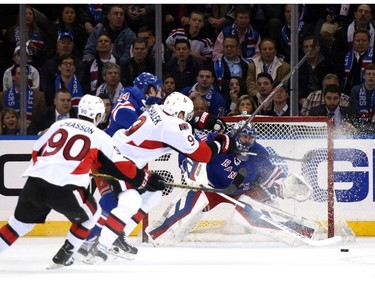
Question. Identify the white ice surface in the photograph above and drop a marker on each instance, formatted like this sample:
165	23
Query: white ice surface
28	258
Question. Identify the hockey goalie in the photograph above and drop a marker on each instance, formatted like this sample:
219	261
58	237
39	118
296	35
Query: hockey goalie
257	180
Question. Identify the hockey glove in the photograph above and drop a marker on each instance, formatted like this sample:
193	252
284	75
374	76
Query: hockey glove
227	143
155	183
210	122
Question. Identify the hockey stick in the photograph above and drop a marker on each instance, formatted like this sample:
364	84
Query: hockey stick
270	96
241	174
305	158
260	217
230	189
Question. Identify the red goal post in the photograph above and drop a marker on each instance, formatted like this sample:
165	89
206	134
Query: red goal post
306	138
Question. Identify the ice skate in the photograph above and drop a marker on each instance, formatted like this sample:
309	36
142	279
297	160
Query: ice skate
121	248
83	251
64	256
96	254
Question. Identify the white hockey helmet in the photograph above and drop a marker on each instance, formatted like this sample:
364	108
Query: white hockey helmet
90	106
177	102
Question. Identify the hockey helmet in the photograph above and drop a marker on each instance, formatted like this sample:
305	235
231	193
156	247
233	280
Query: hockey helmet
145	80
177	102
245	138
90	106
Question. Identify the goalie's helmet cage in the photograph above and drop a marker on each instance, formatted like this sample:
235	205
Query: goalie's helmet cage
145	80
177	102
245	139
90	106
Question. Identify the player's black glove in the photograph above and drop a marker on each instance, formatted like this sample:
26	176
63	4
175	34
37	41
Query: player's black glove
228	144
155	183
209	122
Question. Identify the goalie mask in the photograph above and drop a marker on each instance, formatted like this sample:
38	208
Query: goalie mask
245	139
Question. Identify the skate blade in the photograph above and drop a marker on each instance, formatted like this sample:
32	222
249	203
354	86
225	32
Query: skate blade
93	260
55	266
115	251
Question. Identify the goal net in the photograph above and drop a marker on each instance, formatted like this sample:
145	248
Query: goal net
302	145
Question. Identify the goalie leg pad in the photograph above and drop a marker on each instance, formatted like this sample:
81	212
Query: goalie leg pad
179	218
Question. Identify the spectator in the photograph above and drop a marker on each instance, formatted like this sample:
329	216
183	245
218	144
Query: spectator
280	101
147	34
67	22
108	104
35	37
316	98
237	88
61	109
67	79
362	99
245	105
32	72
201	45
264	89
345	36
91	16
9	122
11	98
222	15
140	15
249	38
200	105
329	28
313	70
267	62
138	63
94	68
111	85
50	68
341	117
121	36
205	88
169	85
229	65
352	66
183	67
284	36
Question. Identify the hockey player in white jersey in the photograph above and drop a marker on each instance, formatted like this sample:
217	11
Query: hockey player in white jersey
159	130
60	171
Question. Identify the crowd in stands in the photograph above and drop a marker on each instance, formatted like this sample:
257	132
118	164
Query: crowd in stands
228	58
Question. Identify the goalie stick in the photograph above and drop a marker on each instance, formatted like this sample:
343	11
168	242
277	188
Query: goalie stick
308	157
286	78
259	216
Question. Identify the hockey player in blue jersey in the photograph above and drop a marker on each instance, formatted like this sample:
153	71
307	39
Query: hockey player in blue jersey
263	180
133	101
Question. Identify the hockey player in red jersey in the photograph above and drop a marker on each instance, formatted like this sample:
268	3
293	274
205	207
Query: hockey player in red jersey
59	172
159	130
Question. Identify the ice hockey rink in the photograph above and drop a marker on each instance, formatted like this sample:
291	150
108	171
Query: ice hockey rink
28	258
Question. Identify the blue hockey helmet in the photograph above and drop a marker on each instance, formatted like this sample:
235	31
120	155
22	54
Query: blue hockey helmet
245	139
145	80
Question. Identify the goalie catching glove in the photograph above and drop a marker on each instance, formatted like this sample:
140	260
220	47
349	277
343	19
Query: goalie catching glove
294	186
209	122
